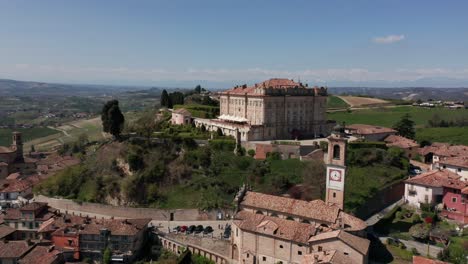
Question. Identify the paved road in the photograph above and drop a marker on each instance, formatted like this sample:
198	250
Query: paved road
376	217
421	247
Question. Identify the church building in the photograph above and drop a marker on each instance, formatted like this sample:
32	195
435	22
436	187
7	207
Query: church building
12	159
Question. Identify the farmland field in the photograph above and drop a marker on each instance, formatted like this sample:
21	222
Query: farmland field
28	134
357	101
389	116
336	102
453	135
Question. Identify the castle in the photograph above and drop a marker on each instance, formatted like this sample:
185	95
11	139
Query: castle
273	109
12	159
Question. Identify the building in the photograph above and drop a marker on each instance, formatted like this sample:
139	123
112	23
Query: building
458	165
273	109
439	187
181	116
439	151
409	146
43	255
369	132
274	229
17	191
84	237
12	159
12	251
27	219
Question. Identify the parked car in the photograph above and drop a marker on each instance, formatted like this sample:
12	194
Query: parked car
191	229
208	230
198	229
183	228
176	229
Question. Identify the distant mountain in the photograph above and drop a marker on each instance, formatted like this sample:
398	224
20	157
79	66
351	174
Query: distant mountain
30	88
409	93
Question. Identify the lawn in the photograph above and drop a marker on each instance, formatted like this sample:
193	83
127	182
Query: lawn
453	135
336	102
28	134
389	116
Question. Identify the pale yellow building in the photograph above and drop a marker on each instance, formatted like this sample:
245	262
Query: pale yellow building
273	109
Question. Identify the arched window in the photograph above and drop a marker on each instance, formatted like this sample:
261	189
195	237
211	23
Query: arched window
305	221
289	218
259	212
336	152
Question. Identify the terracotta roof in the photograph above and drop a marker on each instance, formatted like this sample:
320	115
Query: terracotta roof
363	129
92	226
439	178
400	142
41	255
9	186
33	206
464	190
14	249
6	230
275	83
318	257
316	209
461	161
423	260
358	243
183	111
14	176
445	150
274	226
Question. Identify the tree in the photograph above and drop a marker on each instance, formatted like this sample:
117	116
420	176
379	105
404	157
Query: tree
106	256
251	152
165	100
198	89
405	127
112	118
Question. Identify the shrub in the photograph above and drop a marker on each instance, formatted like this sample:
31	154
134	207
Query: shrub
251	152
402	246
415	218
274	155
415	251
399	215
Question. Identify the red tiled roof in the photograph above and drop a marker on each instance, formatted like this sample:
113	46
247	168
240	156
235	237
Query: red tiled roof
14	249
275	83
274	226
363	129
33	206
41	255
6	230
358	243
445	150
439	178
400	142
461	161
423	260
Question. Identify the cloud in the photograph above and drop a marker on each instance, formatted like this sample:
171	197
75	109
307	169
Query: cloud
388	39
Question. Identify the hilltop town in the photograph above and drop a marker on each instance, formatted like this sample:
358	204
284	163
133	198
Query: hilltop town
272	172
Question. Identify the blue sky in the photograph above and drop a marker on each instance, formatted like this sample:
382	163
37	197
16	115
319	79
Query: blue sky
223	43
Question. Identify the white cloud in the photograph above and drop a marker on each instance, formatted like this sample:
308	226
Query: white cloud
388	39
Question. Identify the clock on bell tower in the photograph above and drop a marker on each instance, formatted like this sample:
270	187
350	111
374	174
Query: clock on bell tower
336	167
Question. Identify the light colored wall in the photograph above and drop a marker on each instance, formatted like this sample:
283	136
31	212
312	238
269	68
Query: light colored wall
463	172
421	192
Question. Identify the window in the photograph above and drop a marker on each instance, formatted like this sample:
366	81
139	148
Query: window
281	246
237	231
319	248
459	169
427	189
336	152
264	258
454	199
346	253
248	255
334	194
299	253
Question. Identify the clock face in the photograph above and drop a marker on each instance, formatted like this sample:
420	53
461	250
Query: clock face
335	175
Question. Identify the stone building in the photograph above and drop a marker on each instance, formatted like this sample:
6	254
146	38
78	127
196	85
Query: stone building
12	159
181	117
273	109
369	132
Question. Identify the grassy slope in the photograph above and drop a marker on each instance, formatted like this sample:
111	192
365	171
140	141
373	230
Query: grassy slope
336	102
28	134
389	116
453	135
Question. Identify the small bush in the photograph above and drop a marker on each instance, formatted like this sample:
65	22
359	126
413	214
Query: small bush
415	251
415	218
251	152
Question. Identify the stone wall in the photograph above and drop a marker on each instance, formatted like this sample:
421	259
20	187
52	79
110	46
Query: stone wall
128	212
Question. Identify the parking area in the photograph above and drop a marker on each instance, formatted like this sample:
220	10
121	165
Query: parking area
214	228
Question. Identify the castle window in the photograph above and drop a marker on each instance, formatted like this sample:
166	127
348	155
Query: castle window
346	253
319	248
334	195
336	152
264	258
299	253
281	246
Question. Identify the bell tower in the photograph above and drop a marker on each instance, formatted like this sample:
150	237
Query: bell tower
336	167
18	145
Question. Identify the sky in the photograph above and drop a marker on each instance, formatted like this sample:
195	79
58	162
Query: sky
222	43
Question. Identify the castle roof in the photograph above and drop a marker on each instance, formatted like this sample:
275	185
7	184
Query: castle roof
274	83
